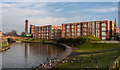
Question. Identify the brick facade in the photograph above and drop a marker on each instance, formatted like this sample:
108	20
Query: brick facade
102	29
46	32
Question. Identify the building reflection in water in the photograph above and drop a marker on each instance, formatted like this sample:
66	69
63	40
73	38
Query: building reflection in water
44	50
26	55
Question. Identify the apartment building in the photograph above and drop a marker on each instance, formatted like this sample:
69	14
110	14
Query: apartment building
102	29
46	32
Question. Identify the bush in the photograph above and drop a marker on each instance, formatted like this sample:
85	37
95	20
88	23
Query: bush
61	40
88	39
79	40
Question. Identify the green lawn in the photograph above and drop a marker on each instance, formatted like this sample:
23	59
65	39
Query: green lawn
96	47
100	60
3	44
37	40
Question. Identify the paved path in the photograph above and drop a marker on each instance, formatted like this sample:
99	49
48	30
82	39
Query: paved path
78	53
109	42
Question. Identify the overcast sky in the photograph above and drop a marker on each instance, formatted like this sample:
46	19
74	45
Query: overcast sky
45	13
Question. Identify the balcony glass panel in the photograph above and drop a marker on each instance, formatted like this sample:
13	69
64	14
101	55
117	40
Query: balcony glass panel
103	29
103	24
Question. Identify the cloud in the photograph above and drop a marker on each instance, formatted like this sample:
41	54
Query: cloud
6	5
47	21
24	9
58	10
60	0
43	13
22	12
101	10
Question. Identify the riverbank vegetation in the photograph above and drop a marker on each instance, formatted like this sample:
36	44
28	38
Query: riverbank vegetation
36	40
4	46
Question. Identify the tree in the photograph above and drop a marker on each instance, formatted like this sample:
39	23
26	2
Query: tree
22	34
12	33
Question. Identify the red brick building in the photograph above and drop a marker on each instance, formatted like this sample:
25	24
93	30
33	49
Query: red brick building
46	32
102	29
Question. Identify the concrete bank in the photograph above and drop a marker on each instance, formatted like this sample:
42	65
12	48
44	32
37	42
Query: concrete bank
59	58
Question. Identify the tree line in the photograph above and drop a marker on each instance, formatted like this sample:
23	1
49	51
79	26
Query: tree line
13	33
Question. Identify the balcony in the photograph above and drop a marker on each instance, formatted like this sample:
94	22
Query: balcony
103	33
103	24
103	29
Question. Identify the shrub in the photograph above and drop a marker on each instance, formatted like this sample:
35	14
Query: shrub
79	40
88	39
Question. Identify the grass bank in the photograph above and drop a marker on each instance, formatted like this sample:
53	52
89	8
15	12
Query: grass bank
100	60
4	46
95	47
37	40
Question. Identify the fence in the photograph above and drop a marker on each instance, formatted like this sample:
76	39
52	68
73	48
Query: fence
116	64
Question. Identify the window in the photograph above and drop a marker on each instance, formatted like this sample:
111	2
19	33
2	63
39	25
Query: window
103	24
72	26
84	30
72	34
67	26
112	30
72	30
84	33
103	38
55	27
84	25
112	34
103	29
78	25
103	33
78	30
68	34
68	30
78	34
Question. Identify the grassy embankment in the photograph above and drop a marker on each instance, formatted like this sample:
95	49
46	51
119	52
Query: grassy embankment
36	40
100	60
4	46
95	47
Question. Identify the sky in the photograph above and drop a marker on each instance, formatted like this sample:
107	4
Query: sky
14	14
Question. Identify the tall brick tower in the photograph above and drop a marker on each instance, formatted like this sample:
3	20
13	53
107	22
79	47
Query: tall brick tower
26	26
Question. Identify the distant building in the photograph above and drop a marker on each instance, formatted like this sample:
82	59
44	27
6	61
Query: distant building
46	32
2	37
102	29
1	34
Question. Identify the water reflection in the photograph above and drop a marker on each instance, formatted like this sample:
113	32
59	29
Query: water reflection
25	55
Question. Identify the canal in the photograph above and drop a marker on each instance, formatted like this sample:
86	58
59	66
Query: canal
27	55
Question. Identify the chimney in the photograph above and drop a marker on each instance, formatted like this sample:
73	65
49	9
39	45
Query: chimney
26	26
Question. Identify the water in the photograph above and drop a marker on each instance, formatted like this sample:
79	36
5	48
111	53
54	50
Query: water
25	55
